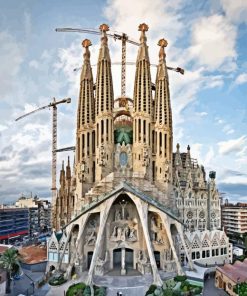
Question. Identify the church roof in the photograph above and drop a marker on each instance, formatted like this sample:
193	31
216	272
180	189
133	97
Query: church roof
126	187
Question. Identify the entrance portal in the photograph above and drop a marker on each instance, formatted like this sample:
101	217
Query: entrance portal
129	258
123	259
89	259
117	258
157	258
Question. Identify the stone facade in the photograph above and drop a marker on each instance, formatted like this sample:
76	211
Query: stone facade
126	203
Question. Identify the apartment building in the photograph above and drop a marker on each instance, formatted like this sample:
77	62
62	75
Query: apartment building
234	218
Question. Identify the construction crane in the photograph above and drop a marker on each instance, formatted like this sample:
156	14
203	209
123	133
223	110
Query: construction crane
178	69
116	36
52	105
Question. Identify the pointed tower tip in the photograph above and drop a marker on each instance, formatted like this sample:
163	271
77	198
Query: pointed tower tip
104	28
178	146
143	27
188	147
162	43
63	165
68	161
86	43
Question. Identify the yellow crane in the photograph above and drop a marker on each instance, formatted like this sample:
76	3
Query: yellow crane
52	105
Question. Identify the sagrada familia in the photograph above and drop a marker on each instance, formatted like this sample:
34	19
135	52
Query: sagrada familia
130	202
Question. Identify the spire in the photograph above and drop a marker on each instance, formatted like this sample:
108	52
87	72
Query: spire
178	160
85	114
86	72
188	158
104	85
163	112
143	49
62	175
142	88
162	70
104	51
68	170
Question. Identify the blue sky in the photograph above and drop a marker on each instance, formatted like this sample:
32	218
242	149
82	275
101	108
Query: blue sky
206	38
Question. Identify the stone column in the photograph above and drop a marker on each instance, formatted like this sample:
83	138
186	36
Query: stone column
123	269
168	231
104	209
180	232
142	208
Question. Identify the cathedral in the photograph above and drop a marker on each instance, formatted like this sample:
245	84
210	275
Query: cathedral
130	203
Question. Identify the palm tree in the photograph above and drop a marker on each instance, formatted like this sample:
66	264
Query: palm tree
10	262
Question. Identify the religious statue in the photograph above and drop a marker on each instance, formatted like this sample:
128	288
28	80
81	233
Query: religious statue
132	236
145	157
91	238
118	215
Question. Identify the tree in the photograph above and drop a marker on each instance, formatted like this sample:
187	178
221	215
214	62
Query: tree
241	289
10	262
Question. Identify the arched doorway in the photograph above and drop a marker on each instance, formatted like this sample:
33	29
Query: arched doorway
117	258
129	257
89	259
123	259
157	258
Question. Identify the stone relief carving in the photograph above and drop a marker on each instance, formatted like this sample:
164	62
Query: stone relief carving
144	265
166	171
145	156
157	233
124	233
91	233
102	156
100	263
124	228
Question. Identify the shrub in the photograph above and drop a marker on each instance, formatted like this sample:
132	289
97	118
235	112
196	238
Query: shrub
158	291
197	290
180	278
151	290
57	279
76	289
100	291
87	291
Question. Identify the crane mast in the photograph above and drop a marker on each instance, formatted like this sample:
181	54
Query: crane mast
52	105
123	70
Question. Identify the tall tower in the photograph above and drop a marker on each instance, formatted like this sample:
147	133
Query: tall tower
85	134
163	120
143	111
104	110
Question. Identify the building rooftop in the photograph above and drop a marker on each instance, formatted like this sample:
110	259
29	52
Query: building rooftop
33	254
236	272
3	248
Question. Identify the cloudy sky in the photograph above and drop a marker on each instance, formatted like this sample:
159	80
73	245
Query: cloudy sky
206	38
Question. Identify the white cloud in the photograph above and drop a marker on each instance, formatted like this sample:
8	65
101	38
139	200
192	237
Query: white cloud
202	114
228	129
213	42
241	79
34	64
235	10
234	145
11	57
